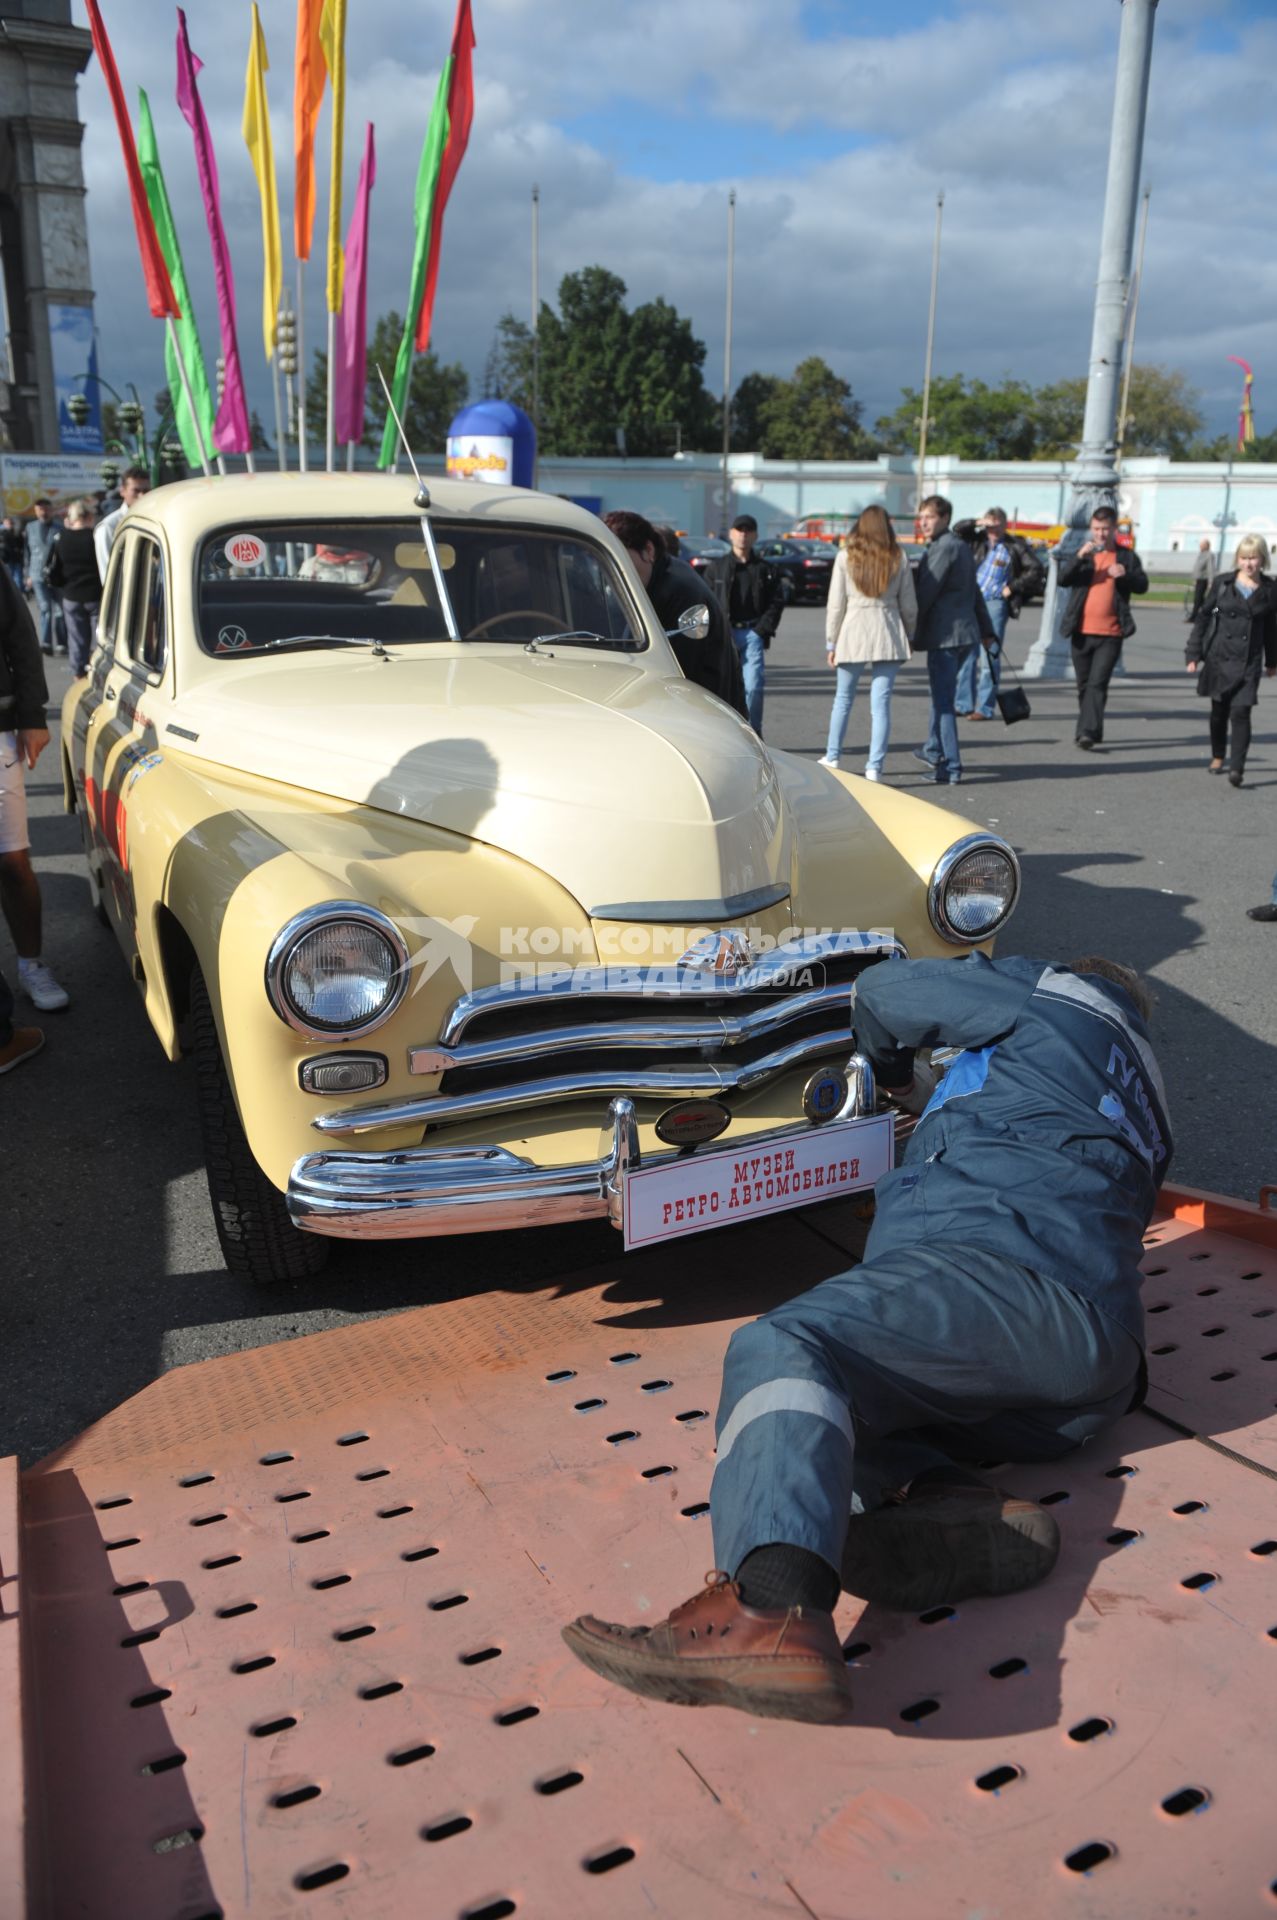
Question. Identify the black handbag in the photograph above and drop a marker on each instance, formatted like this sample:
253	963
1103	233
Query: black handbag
1013	702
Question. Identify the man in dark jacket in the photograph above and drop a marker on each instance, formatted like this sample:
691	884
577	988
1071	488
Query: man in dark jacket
23	738
1004	576
672	587
996	1313
952	621
752	593
1101	577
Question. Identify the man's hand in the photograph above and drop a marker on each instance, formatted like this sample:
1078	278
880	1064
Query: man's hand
914	1097
1117	572
830	656
1086	549
1006	593
1192	666
32	742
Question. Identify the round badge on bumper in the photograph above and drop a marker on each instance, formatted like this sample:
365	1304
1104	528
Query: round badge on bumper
824	1095
692	1122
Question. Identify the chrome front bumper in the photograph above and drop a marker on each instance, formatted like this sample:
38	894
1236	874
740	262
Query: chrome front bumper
419	1191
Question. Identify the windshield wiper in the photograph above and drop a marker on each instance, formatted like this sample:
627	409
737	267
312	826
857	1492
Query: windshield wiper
322	640
582	638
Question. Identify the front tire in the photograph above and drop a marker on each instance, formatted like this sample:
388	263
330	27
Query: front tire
258	1239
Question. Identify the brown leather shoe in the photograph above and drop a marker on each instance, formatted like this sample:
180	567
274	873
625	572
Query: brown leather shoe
23	1044
778	1663
946	1542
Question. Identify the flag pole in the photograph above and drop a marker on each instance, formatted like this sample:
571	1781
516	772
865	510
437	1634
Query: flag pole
190	397
303	464
281	442
332	356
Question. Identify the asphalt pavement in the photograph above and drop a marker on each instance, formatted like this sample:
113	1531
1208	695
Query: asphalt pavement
111	1271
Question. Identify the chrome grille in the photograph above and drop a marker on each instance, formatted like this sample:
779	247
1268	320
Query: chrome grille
644	1032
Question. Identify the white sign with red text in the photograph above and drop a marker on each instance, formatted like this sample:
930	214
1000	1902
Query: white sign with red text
744	1182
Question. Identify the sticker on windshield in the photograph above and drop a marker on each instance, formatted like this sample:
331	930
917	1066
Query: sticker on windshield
245	550
231	639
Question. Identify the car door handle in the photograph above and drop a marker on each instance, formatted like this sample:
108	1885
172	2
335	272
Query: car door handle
108	693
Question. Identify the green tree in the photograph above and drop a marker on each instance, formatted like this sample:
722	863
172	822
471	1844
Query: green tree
750	404
604	368
813	416
969	419
1164	415
435	393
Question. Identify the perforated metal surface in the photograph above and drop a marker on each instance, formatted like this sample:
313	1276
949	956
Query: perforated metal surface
318	1670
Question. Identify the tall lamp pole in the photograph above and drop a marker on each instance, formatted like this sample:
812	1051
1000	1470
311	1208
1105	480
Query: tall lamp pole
1095	474
1124	411
727	352
925	422
536	331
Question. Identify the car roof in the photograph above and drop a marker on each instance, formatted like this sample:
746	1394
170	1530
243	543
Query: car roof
188	509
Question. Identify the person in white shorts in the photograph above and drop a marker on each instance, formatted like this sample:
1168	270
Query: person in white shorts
23	738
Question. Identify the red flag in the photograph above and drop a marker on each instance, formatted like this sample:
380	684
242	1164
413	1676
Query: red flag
159	288
460	115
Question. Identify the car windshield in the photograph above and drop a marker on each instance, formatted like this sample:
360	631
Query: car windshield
324	583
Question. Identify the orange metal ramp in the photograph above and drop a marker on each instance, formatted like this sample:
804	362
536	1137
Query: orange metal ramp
307	1660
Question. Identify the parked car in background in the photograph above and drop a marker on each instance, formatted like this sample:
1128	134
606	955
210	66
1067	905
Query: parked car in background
699	553
807	566
471	911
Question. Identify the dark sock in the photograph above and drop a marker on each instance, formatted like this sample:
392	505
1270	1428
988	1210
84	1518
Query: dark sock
785	1576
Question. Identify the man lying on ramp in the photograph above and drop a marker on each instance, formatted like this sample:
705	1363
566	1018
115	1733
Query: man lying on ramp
996	1314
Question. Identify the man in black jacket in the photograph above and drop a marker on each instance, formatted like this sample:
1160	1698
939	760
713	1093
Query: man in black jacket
753	596
23	738
1101	577
672	587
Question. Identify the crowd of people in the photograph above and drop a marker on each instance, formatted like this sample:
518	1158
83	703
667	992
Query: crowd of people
61	565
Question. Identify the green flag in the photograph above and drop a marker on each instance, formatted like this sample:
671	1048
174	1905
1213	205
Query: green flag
187	332
423	208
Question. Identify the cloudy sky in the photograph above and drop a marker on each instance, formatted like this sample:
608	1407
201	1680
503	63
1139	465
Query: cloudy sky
836	127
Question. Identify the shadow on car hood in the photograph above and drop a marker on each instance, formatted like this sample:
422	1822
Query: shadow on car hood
630	786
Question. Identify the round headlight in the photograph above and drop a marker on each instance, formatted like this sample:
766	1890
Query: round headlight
337	969
974	889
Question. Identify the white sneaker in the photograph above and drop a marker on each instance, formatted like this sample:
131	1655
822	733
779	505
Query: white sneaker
41	988
872	773
825	761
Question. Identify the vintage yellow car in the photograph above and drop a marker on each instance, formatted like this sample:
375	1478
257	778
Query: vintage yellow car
473	911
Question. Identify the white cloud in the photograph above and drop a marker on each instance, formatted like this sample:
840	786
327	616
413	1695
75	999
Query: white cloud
1006	105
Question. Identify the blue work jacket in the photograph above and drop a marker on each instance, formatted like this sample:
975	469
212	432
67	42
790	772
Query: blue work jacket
1047	1139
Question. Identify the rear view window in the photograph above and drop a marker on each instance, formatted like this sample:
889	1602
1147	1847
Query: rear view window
320	583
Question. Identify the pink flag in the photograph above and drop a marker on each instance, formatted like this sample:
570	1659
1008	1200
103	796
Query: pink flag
231	429
351	369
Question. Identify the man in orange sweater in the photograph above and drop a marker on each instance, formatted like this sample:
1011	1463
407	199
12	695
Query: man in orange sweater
1097	618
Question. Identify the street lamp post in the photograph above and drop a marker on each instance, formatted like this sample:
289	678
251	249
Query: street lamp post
130	413
727	355
1095	474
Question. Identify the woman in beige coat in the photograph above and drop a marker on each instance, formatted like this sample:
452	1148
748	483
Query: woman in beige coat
869	621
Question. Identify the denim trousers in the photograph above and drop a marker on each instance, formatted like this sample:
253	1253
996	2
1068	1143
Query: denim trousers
944	664
982	669
882	679
53	630
82	619
919	1358
749	645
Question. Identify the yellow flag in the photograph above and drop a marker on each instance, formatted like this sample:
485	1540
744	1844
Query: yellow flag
332	38
257	139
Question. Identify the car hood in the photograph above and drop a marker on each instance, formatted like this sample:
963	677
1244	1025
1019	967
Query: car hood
641	794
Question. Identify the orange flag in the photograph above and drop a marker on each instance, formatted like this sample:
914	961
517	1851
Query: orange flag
308	94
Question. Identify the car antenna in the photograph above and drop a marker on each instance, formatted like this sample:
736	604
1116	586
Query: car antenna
422	503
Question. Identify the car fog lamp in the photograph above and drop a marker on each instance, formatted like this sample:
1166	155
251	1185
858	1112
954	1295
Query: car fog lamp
973	889
343	972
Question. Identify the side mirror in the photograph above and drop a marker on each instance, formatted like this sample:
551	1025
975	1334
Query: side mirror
693	624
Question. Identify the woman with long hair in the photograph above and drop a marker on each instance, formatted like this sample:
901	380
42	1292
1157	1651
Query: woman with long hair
1235	636
869	621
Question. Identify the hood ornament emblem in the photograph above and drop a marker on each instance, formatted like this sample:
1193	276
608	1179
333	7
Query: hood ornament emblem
727	954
